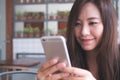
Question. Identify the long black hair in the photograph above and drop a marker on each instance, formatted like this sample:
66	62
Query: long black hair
108	51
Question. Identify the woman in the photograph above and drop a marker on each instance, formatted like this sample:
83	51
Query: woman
92	44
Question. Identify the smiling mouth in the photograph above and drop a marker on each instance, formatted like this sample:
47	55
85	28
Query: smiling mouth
86	40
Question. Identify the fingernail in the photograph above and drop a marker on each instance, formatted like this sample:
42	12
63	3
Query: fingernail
61	65
54	60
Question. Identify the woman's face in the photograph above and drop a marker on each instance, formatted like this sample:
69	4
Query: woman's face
89	27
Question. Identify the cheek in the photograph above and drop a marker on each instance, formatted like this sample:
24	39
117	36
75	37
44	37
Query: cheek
77	32
98	32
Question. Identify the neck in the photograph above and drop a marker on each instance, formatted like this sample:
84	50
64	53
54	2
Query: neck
91	55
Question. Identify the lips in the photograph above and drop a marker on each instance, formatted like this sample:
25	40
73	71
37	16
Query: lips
86	40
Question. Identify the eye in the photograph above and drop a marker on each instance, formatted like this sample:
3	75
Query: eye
77	24
93	23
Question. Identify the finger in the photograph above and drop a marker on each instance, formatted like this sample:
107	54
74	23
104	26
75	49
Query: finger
57	76
41	74
48	71
61	65
54	68
76	71
76	78
48	64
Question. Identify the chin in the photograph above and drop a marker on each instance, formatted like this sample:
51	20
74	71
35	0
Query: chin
88	48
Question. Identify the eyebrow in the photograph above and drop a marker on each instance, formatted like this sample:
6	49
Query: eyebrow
91	18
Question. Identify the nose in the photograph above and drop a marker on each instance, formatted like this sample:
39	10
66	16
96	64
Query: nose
85	30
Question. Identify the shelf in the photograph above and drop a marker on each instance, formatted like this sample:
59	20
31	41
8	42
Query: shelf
49	2
32	15
29	1
60	20
40	3
26	37
29	20
61	2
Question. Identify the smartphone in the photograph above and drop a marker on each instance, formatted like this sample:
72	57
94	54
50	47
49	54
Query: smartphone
55	46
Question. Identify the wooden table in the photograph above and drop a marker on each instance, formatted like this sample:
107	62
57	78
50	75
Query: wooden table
22	62
18	64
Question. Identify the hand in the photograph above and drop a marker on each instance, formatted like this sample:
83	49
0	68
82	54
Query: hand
78	74
48	69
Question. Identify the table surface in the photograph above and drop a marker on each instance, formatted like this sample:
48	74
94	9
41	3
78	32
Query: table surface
26	62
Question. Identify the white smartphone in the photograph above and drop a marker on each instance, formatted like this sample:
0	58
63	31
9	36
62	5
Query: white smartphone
55	46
